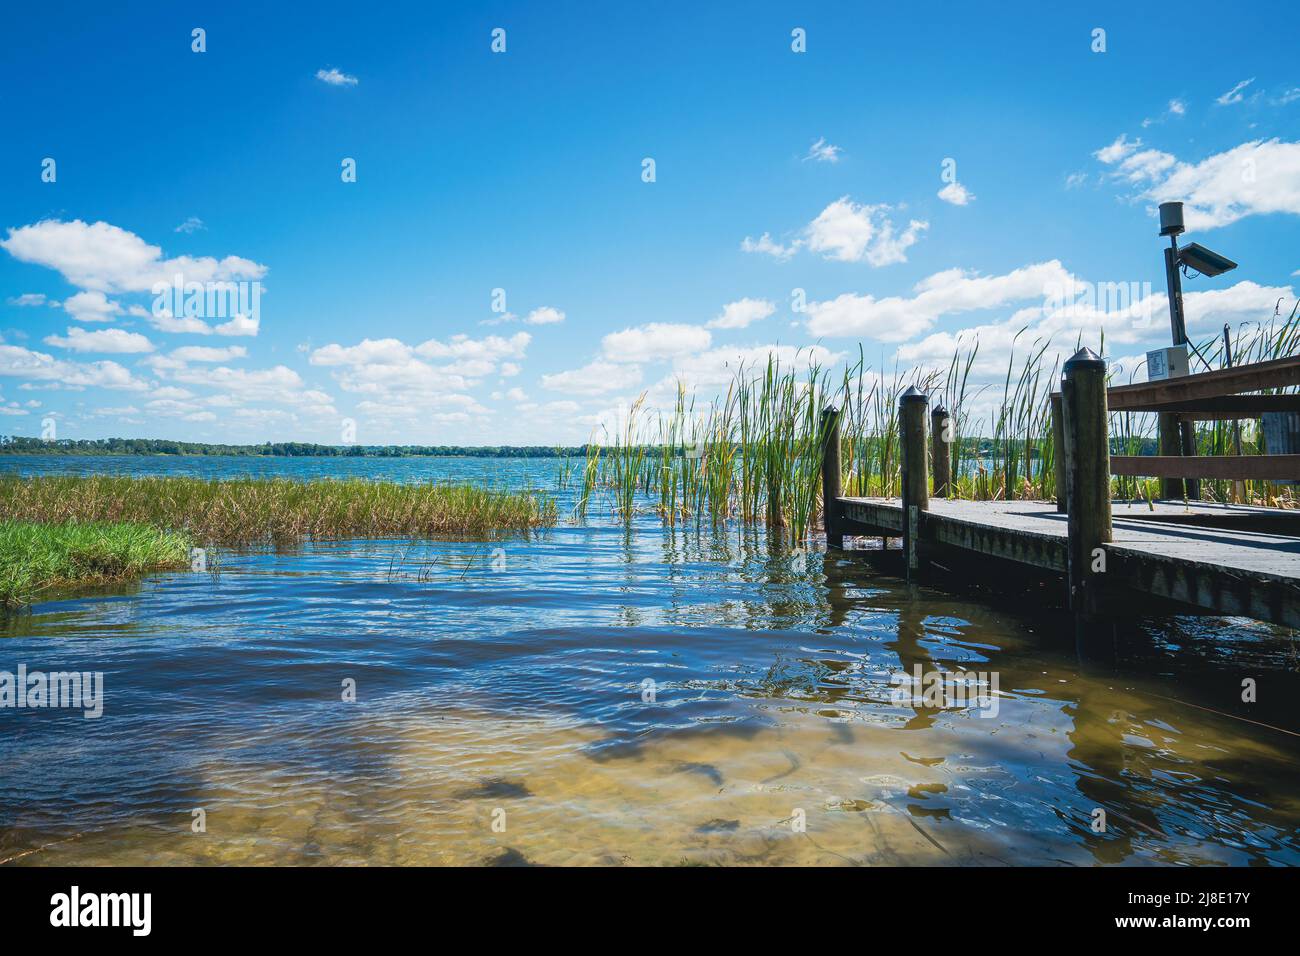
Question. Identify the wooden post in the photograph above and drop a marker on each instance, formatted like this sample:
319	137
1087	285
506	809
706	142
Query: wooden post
1187	441
916	479
1238	487
1087	465
1170	443
940	428
1058	454
831	492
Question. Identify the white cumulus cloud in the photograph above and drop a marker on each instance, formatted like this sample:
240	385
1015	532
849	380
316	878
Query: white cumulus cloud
597	378
957	194
204	353
654	342
334	77
239	325
402	377
164	321
846	231
742	313
28	298
105	258
91	307
18	362
101	340
1255	178
546	315
899	318
768	246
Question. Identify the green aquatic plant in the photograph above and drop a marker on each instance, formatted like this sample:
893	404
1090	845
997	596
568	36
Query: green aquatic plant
38	558
249	510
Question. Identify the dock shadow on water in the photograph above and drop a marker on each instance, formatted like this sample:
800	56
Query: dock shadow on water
598	695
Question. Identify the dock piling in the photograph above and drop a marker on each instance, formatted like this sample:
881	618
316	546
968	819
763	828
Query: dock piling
940	429
1087	467
916	478
831	491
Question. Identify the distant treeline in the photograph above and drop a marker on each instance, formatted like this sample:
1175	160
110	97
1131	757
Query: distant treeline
20	445
988	448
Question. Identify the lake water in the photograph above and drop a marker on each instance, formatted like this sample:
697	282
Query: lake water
602	695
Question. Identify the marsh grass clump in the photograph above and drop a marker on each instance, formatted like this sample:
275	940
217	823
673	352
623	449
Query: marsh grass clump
36	558
255	510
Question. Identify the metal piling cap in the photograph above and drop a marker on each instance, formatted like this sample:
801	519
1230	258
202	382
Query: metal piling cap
913	394
1084	358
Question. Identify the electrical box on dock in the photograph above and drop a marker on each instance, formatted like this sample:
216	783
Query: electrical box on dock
1167	363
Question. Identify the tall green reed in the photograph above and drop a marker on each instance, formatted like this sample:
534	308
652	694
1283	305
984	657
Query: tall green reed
754	453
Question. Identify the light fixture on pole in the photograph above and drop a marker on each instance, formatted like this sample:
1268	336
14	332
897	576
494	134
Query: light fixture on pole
1194	256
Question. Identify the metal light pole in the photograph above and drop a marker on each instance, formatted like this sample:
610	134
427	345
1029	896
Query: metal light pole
1183	437
1177	321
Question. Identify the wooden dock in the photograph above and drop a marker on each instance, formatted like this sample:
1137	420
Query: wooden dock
1108	555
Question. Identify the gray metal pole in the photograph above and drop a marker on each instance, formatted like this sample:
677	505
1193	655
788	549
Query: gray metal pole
1174	281
1186	431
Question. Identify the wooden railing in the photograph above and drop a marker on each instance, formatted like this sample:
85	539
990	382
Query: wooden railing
1210	396
1084	464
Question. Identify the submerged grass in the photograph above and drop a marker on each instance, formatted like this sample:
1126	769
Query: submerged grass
251	510
35	558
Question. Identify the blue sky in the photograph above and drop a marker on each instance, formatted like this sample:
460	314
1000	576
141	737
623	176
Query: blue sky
522	171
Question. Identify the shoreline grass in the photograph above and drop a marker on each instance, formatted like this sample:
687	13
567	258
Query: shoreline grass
240	511
35	558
